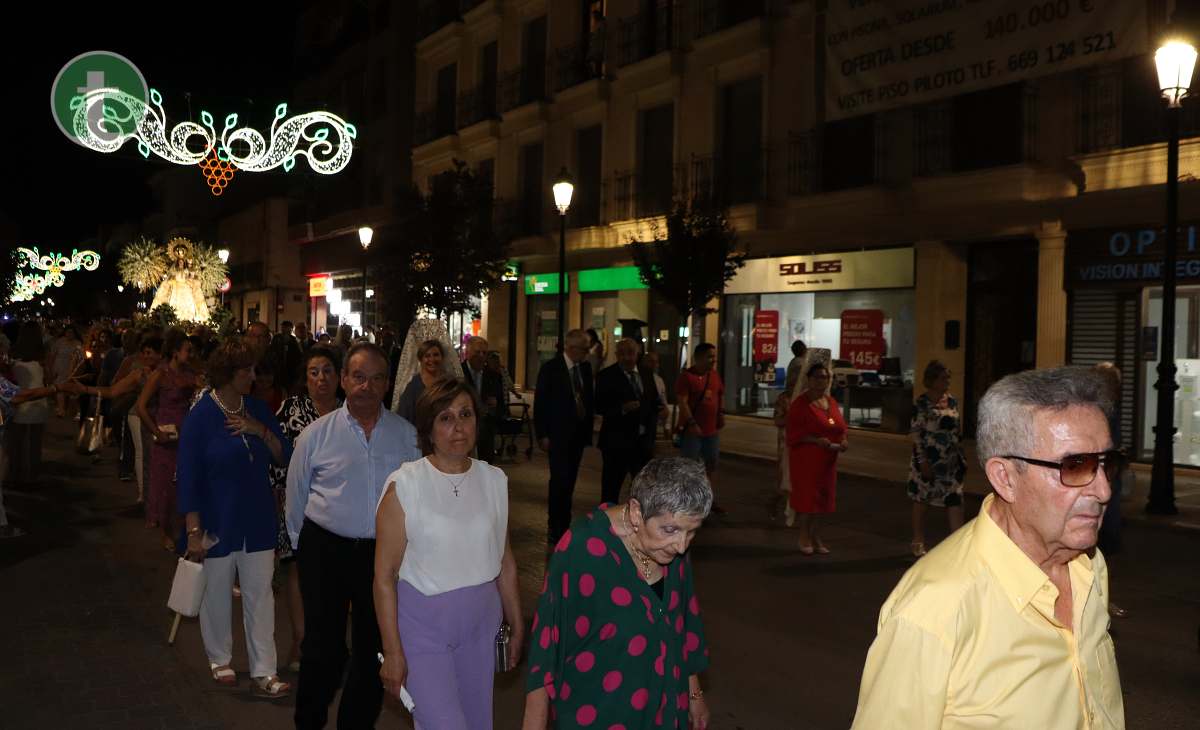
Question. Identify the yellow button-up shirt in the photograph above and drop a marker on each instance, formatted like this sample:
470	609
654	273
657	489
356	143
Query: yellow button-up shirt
968	639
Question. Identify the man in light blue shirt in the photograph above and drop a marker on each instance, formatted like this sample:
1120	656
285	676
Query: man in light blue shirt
337	472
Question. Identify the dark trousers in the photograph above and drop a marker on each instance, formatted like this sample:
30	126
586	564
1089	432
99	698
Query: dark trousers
565	455
485	440
25	450
336	573
620	461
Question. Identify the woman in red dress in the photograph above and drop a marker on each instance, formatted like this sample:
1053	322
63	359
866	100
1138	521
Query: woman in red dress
816	434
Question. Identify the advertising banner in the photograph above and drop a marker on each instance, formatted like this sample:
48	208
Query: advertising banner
862	338
766	345
884	54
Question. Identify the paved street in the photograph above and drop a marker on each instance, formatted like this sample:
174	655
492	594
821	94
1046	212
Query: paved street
83	620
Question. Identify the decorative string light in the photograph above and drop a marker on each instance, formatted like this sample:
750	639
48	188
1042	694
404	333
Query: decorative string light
27	286
290	136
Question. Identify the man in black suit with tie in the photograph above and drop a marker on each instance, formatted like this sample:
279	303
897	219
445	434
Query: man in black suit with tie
563	410
628	400
490	388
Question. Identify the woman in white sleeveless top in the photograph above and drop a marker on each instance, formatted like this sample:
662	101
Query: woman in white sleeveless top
445	577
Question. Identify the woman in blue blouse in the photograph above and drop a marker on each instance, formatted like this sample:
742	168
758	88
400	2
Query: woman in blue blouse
227	443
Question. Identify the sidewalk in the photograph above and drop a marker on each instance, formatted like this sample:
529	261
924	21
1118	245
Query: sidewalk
886	456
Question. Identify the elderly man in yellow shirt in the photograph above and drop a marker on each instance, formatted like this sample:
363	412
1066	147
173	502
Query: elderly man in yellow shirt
1005	624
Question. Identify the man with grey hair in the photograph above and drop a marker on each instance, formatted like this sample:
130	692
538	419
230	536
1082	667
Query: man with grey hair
1005	624
563	412
490	389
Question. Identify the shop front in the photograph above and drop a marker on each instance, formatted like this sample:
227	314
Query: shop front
1113	277
859	306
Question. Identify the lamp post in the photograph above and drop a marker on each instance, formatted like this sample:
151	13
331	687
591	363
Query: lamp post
365	234
563	188
223	254
1175	59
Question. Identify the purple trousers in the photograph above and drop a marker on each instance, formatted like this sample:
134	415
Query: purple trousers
449	643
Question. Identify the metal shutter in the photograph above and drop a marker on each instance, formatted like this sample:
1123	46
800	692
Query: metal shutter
1104	325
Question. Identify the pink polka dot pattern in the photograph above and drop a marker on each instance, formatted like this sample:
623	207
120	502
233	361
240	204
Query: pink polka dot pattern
675	671
554	635
585	715
612	681
608	631
694	606
566	585
565	692
563	542
582	624
615	557
692	643
674	602
639	699
544	639
682	701
621	596
659	667
679	624
637	645
596	547
618	726
585	661
587	585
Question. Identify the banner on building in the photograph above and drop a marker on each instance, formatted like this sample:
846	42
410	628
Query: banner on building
862	340
884	54
884	269
766	345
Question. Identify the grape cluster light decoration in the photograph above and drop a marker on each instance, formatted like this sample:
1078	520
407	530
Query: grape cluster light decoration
27	286
302	135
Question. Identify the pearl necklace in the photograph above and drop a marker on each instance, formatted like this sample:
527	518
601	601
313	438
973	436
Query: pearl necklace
240	412
642	557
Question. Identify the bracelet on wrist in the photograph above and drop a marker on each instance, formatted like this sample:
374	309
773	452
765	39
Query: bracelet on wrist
696	694
194	531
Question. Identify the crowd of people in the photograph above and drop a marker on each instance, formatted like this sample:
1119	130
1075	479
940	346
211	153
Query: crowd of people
361	472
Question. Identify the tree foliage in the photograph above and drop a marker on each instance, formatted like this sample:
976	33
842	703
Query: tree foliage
688	261
448	249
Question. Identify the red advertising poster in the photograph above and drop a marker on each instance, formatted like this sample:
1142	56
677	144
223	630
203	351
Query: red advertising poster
862	337
766	344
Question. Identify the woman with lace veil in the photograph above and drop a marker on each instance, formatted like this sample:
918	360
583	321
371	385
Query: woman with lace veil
426	358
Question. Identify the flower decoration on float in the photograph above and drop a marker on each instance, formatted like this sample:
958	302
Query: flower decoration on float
124	117
182	274
26	286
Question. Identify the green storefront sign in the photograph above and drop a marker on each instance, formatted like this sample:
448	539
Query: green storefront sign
616	278
543	284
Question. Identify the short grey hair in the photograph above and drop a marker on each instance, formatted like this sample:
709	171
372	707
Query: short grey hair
576	336
1006	410
672	485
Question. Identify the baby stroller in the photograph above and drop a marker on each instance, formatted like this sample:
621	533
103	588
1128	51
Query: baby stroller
511	426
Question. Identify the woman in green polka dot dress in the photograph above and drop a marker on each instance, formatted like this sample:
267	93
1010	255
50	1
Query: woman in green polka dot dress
617	641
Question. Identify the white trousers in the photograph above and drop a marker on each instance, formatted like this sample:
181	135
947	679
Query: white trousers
134	425
258	609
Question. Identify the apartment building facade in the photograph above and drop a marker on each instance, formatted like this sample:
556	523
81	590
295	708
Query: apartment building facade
1007	226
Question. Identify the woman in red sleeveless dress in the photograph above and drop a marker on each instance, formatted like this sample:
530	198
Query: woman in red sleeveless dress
816	434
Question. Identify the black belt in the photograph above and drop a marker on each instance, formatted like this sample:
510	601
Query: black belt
309	524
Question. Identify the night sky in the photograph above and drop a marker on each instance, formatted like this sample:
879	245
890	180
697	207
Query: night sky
56	191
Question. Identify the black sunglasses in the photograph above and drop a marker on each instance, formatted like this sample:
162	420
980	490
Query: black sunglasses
1079	470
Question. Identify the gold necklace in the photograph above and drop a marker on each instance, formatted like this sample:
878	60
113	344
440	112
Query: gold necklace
642	557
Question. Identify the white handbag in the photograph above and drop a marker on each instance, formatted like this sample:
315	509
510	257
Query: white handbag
187	590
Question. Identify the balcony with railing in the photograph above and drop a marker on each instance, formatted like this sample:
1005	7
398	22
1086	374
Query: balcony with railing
725	181
574	64
521	86
650	32
804	163
433	15
432	123
646	194
476	105
713	16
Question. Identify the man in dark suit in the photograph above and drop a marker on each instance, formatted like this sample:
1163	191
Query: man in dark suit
563	410
628	400
489	386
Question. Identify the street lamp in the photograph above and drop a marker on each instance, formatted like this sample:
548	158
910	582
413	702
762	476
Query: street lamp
223	254
563	189
1175	59
365	234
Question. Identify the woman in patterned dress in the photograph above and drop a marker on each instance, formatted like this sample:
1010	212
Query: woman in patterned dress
321	371
617	640
938	467
173	382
